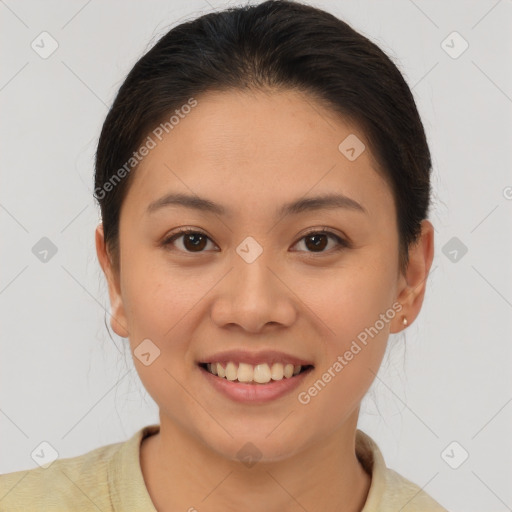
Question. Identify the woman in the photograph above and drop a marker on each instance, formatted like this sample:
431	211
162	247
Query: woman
264	183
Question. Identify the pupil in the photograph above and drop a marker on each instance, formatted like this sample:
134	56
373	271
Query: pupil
197	243
318	243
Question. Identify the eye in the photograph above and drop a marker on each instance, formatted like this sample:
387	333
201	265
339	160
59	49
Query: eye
316	241
193	240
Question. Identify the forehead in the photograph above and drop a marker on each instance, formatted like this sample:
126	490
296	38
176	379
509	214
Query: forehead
258	148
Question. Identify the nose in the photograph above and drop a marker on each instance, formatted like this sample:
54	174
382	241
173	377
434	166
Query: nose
252	296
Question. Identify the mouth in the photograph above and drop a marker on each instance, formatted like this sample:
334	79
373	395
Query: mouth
257	374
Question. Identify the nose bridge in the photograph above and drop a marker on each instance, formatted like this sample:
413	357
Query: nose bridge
252	279
252	296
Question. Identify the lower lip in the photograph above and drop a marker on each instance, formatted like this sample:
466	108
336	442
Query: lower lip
254	393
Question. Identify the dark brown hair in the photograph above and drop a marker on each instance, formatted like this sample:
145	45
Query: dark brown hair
273	45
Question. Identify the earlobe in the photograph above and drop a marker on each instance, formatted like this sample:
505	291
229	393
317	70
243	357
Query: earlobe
412	287
118	318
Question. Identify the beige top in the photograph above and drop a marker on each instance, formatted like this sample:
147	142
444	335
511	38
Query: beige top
110	479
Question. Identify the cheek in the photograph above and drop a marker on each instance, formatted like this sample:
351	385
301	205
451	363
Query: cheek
352	298
158	304
157	295
355	305
153	311
357	311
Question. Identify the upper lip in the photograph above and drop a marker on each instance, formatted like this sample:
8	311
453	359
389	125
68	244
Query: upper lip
265	356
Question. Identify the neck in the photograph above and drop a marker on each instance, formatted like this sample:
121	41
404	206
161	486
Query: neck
181	473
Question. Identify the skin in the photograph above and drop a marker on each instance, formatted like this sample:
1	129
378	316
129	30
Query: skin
252	152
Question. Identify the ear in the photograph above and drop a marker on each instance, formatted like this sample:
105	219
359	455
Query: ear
118	318
412	285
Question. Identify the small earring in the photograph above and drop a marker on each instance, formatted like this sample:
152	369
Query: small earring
404	321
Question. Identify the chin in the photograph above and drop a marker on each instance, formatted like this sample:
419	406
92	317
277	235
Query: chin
254	447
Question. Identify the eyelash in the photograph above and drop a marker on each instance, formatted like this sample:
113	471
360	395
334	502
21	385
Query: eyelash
342	243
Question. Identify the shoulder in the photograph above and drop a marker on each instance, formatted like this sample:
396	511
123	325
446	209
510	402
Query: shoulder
74	483
402	494
389	491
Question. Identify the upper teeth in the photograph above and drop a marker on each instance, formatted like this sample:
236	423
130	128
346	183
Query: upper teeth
260	373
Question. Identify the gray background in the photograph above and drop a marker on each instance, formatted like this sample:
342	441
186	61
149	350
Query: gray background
64	381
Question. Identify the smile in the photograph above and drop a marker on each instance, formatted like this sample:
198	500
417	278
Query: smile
255	374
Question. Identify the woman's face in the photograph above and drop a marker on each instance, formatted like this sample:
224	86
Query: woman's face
258	280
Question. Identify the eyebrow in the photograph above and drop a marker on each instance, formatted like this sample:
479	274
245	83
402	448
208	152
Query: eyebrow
322	202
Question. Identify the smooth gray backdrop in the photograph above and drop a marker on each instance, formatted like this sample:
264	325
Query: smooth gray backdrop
444	397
